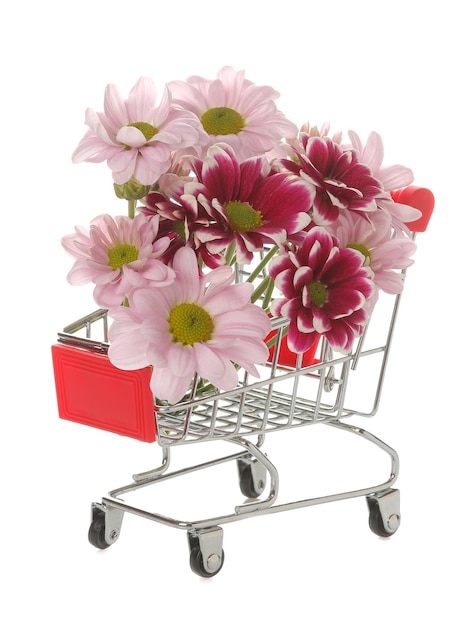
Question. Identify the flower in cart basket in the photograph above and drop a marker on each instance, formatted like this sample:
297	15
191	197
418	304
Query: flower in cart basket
118	254
234	110
391	176
202	324
340	180
135	136
180	215
383	252
248	204
326	290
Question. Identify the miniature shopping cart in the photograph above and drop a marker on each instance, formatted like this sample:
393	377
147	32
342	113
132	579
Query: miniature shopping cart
292	391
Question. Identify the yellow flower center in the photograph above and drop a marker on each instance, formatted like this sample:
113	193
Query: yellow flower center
122	254
243	217
361	248
222	121
190	323
317	293
148	130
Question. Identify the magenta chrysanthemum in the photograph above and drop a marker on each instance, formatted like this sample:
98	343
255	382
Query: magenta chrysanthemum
199	324
135	136
247	204
118	255
340	180
234	110
325	291
181	216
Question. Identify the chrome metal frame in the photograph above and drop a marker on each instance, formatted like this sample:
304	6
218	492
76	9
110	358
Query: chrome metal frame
257	407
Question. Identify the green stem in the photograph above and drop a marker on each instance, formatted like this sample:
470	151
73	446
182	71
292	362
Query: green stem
267	295
131	208
261	288
271	342
230	253
264	261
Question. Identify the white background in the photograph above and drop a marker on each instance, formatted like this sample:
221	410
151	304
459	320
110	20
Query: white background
401	68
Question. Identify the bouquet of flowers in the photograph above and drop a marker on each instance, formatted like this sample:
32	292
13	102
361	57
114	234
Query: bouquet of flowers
235	215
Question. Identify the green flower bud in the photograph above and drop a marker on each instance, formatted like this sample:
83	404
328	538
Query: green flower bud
132	190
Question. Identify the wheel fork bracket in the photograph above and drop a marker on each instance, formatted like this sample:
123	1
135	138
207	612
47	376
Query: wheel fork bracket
210	543
389	503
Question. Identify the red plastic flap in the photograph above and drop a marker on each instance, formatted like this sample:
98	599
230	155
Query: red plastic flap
420	198
91	391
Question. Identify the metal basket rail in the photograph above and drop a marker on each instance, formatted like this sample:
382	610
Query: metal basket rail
283	397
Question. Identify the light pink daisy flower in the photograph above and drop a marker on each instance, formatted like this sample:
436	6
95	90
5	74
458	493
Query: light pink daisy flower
234	110
341	181
199	324
326	290
248	204
391	176
135	136
118	255
383	252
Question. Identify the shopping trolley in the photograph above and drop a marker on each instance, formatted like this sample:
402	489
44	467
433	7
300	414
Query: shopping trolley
292	391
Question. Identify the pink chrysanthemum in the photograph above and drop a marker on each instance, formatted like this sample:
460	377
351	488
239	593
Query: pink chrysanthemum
248	205
326	290
118	255
383	253
135	136
341	181
234	110
189	327
391	176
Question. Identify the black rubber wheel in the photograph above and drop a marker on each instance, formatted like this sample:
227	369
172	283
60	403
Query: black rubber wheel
197	563
247	486
376	521
97	531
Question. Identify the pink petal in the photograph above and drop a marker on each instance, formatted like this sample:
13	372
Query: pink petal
181	360
217	370
131	136
186	267
141	101
128	352
167	386
231	297
81	273
396	177
114	106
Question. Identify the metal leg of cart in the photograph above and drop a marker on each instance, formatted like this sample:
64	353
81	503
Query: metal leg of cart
205	537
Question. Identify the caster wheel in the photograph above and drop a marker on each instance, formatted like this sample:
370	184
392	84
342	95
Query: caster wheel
379	526
252	479
215	563
97	531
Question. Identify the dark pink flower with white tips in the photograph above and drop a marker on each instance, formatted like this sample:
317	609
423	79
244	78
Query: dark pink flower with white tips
326	290
341	181
248	204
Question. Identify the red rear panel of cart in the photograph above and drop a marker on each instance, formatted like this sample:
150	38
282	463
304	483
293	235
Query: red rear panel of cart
91	391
